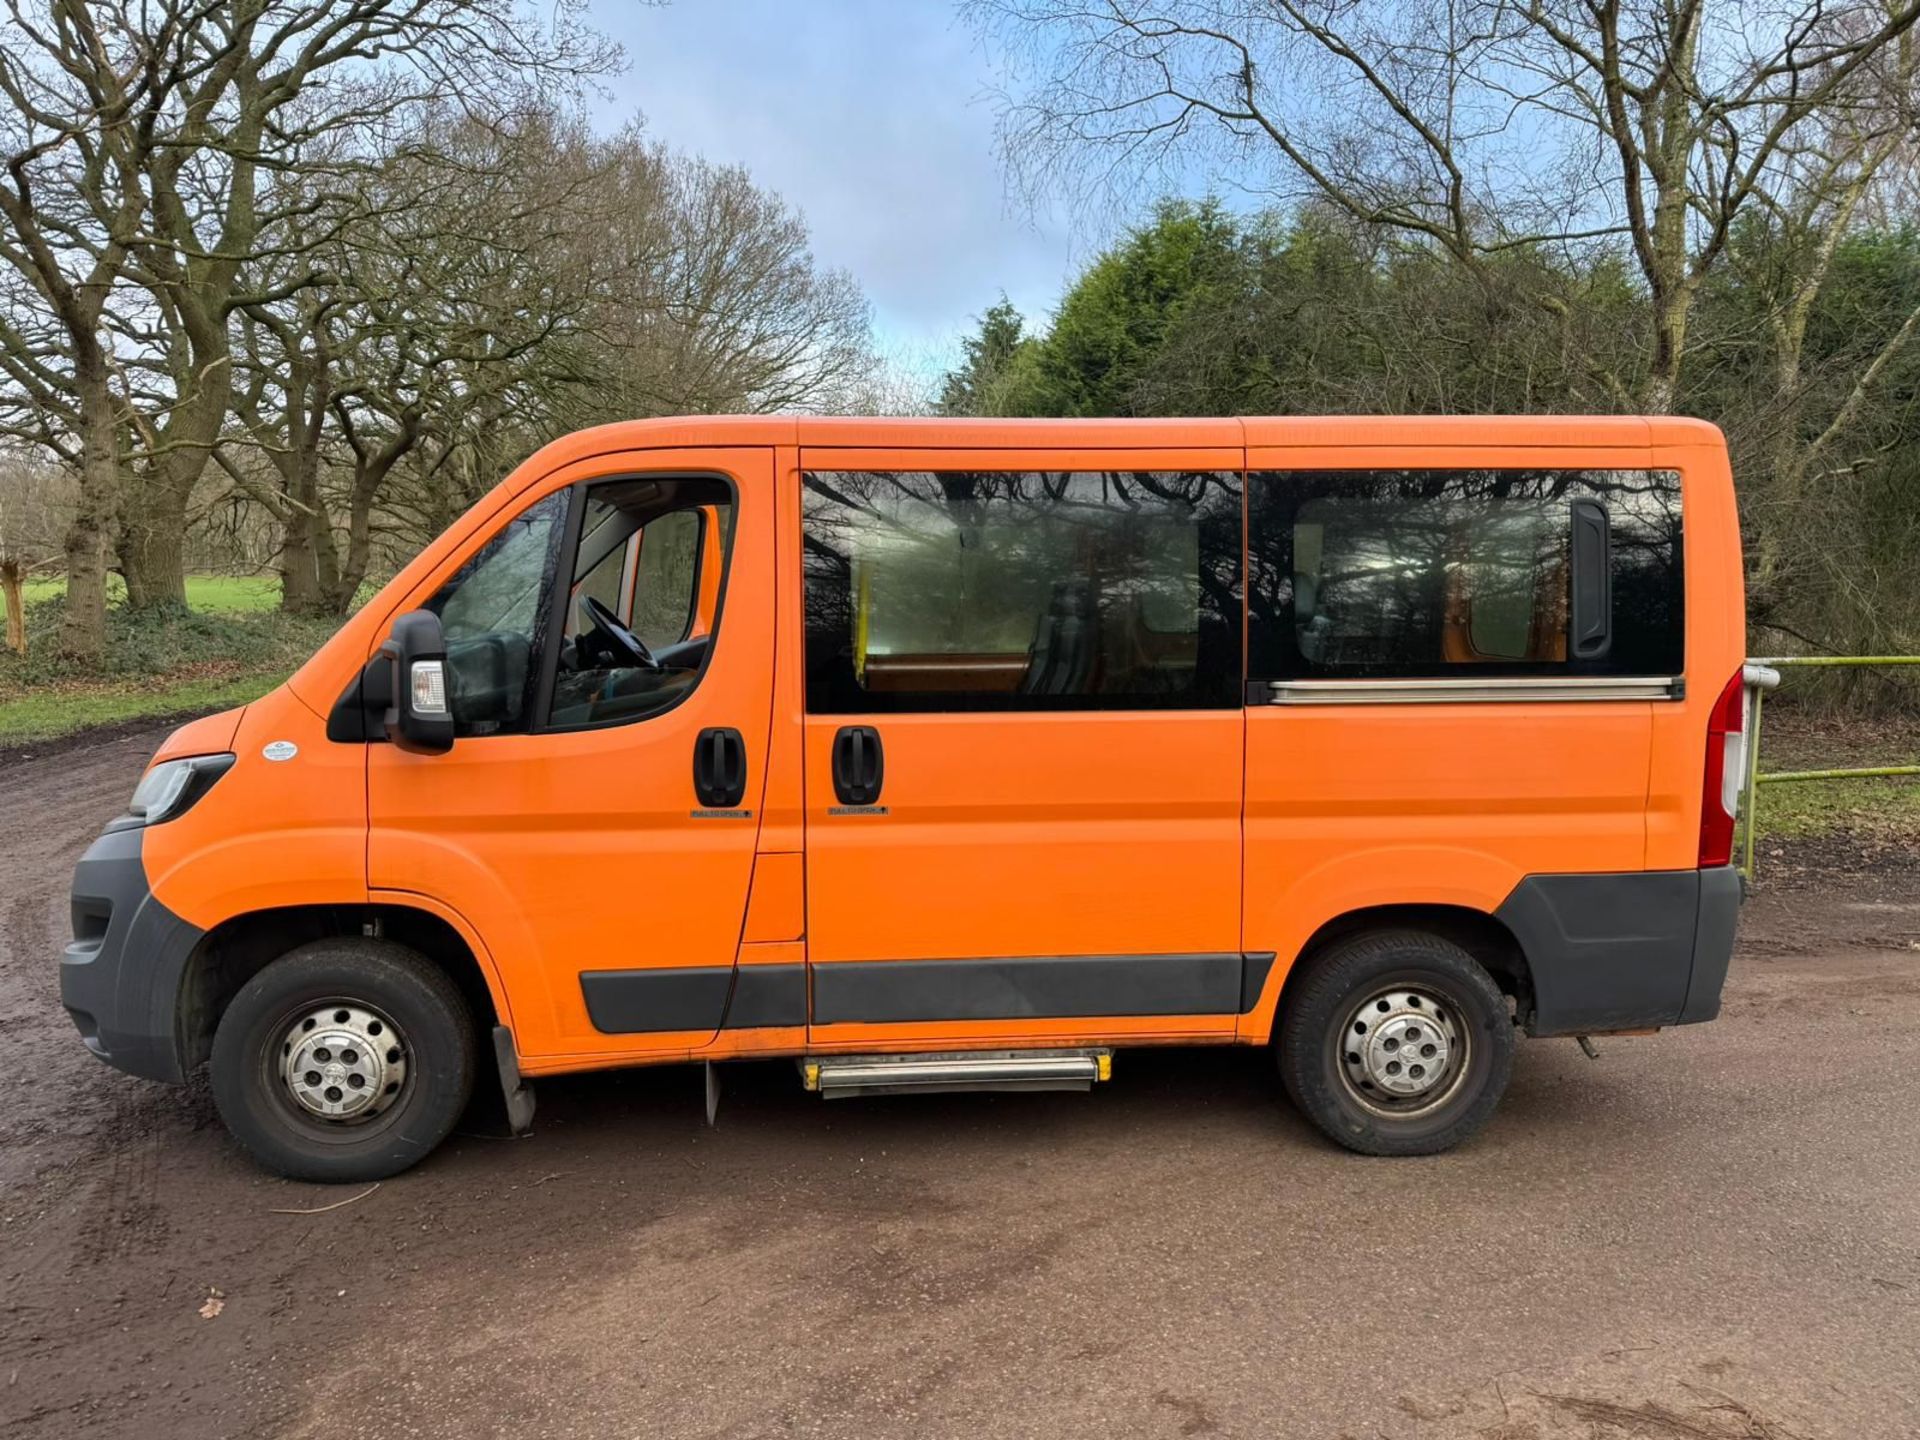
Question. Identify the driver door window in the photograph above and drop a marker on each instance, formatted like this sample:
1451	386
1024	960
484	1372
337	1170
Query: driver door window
627	632
631	649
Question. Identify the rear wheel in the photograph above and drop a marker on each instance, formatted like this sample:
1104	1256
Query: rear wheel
1396	1043
344	1060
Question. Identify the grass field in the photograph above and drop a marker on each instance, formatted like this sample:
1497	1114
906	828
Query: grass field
232	645
214	594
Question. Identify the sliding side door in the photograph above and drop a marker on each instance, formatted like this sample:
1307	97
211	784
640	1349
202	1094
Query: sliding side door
1023	745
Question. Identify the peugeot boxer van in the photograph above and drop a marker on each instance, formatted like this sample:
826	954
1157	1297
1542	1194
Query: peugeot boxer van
940	754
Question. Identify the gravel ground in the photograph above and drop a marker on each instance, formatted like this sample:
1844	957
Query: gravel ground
1711	1233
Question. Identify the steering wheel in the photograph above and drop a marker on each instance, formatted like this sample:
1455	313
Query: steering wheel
616	638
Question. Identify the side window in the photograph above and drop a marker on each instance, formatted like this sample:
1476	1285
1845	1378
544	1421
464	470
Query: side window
629	649
494	612
667	578
1385	581
1022	590
1409	574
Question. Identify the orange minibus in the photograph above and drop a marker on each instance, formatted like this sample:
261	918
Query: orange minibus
939	754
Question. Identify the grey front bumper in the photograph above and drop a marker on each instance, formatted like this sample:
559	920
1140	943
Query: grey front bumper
1624	952
120	978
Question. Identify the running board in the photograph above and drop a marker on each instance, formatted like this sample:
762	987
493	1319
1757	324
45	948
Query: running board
838	1076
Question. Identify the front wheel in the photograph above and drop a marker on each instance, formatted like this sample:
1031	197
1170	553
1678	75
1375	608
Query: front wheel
1396	1043
344	1060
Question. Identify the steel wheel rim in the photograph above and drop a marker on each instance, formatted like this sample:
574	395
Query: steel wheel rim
1404	1050
339	1064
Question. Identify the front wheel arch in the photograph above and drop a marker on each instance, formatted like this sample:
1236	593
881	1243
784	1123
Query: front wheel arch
237	949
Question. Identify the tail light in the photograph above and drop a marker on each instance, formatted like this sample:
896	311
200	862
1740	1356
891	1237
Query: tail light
1726	769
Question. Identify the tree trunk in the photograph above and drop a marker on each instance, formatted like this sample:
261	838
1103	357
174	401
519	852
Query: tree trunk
83	623
1785	474
153	527
1672	300
369	478
306	557
15	592
326	560
153	535
299	572
359	546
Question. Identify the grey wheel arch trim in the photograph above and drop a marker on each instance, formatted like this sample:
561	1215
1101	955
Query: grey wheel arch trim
1624	951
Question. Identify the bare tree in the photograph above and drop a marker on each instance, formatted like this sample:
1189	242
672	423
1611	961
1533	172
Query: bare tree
493	290
706	294
1480	126
415	311
140	147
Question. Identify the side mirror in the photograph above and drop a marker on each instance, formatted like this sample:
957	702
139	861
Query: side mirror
419	717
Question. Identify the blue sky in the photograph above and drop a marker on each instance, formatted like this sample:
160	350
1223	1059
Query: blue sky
870	117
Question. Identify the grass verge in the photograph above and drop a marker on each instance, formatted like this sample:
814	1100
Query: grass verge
1880	815
51	714
228	650
1888	808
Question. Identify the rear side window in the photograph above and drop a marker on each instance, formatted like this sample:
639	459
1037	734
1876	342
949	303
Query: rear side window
1435	573
1022	590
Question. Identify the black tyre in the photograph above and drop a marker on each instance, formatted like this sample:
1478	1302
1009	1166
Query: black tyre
1396	1043
344	1060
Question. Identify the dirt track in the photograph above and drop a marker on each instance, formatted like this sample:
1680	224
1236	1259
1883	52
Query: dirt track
1712	1233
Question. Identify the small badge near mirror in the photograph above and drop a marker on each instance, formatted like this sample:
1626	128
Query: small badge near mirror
281	750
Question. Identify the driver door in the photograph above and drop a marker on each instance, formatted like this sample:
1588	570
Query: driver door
568	832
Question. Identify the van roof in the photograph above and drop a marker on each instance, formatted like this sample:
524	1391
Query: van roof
914	432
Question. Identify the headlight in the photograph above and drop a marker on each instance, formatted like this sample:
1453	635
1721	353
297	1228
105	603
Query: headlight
171	787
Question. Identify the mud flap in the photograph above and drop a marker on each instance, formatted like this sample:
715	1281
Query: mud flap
515	1093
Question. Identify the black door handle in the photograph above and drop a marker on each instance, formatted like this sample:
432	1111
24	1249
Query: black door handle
859	764
720	768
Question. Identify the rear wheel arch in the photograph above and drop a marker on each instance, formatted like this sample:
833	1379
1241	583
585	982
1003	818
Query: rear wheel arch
237	949
1481	935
